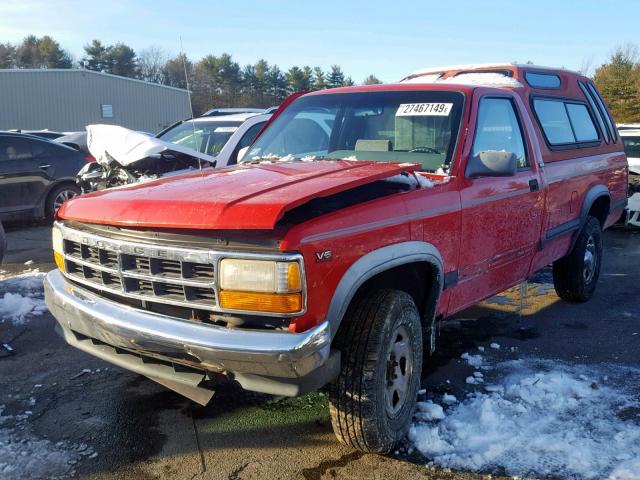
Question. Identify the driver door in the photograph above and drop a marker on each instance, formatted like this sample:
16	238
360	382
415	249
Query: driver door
501	216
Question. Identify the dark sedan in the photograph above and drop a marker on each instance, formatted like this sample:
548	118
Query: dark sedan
36	176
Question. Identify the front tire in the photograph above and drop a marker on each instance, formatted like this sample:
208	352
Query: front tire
58	196
373	399
576	275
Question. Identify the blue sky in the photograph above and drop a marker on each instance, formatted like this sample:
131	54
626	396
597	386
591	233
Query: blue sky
388	39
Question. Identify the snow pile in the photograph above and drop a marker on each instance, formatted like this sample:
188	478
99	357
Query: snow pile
543	419
23	455
473	360
489	79
21	297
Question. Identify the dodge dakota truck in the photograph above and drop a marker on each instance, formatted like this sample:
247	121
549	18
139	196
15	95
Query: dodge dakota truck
361	217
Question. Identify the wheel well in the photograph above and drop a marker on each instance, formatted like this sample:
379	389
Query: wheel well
417	279
600	209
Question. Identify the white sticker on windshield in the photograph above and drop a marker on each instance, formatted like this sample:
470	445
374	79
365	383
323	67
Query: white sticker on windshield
225	129
425	109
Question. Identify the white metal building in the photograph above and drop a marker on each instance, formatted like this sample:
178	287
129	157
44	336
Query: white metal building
68	100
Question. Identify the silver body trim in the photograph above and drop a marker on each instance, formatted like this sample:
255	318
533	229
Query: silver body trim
203	346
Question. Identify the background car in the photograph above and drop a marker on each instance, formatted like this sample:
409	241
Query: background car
221	112
48	134
77	140
36	176
631	139
221	136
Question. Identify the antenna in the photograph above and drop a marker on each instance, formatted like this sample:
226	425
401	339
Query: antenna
186	79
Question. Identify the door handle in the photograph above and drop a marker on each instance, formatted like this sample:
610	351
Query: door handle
533	185
44	167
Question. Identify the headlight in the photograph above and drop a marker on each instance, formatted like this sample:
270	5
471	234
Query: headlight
260	285
58	249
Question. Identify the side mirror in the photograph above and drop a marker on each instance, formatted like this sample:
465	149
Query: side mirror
492	163
241	153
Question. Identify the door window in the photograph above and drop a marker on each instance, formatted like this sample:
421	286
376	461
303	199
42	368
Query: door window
498	129
16	148
246	140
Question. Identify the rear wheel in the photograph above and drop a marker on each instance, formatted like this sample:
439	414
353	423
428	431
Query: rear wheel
58	196
576	275
373	398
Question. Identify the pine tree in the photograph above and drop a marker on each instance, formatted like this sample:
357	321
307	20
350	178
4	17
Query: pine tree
7	55
96	57
336	77
371	80
122	60
319	81
619	84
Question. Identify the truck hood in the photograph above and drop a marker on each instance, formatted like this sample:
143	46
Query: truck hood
241	198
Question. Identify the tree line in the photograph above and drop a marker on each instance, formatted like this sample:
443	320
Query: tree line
215	81
619	83
220	81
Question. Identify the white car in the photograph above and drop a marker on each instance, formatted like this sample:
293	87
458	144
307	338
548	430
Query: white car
631	140
221	137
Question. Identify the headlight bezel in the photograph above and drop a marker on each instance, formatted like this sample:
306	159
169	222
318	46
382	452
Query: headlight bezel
285	258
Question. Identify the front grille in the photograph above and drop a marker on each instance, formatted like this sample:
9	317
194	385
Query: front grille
139	275
167	279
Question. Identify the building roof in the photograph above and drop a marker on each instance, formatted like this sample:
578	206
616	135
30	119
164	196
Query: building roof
40	71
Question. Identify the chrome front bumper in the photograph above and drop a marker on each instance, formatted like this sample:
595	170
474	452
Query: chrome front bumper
271	362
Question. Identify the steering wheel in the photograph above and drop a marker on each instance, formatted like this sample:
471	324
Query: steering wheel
424	150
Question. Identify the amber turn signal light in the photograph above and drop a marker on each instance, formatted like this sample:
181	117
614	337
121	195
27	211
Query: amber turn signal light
59	258
261	302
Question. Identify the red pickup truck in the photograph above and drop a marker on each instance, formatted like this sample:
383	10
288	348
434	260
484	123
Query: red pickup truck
361	218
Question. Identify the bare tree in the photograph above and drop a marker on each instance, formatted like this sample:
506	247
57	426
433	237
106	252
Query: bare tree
586	67
151	62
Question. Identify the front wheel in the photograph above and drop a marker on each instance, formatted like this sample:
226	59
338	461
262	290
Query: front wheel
373	398
576	275
58	196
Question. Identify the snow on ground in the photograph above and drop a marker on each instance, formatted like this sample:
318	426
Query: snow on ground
23	455
473	360
21	296
539	419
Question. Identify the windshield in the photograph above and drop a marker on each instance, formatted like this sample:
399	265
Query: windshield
209	137
405	126
632	146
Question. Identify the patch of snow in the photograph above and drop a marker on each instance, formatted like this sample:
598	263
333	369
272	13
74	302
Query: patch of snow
21	297
541	420
449	399
24	455
352	157
627	470
473	360
420	78
473	380
481	348
429	411
424	182
286	158
482	78
495	346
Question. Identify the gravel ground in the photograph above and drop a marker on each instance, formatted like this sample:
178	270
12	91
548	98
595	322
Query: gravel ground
65	414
